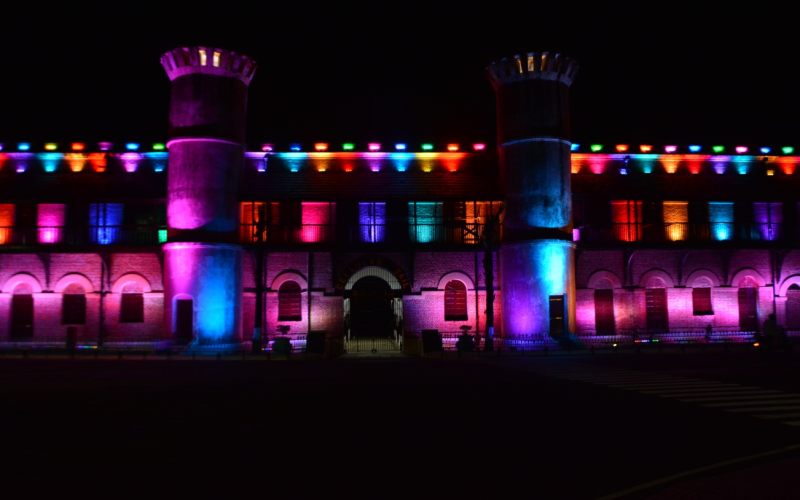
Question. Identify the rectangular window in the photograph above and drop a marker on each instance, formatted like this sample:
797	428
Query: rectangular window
676	220
701	301
720	218
73	309
768	218
626	216
604	312
425	222
105	223
251	214
131	308
6	222
317	220
372	222
656	310
50	219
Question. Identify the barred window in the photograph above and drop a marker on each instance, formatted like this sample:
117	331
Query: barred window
289	302
455	301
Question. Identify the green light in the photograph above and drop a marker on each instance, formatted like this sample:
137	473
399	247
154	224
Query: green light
718	149
162	235
787	150
596	148
348	146
158	147
427	147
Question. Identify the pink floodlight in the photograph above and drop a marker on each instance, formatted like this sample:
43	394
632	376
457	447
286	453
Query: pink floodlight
374	146
267	148
741	149
479	147
670	149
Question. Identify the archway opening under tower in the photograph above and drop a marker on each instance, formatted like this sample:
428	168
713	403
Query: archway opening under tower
373	311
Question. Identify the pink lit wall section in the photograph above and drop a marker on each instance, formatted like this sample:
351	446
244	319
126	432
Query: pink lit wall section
50	220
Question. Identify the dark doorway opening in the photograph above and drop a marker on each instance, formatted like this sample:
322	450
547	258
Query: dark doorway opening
748	309
184	319
371	308
22	316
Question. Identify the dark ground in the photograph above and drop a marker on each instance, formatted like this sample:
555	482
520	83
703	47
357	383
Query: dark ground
375	429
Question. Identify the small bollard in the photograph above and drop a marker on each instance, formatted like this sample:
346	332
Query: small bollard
219	356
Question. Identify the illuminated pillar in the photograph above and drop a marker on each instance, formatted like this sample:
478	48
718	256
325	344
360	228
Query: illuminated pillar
202	260
537	255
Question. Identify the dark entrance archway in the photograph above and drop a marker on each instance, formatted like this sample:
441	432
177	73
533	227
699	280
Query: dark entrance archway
372	312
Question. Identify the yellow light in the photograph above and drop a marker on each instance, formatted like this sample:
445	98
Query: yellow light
770	172
50	146
203	59
215	62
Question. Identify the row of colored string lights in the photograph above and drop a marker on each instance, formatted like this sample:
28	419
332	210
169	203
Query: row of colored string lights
646	148
268	148
375	146
81	146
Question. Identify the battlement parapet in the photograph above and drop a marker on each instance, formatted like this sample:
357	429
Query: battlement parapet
208	60
532	66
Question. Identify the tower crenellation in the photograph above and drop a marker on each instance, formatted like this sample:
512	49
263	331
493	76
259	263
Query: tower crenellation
532	66
208	60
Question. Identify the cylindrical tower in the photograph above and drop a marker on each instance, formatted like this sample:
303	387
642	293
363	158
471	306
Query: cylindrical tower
202	262
537	269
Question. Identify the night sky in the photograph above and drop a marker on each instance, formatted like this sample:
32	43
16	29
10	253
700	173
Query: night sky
358	72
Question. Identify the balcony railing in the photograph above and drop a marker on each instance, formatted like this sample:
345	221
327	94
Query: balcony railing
690	232
392	232
87	235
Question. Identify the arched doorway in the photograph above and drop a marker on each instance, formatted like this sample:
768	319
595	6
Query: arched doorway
373	310
793	307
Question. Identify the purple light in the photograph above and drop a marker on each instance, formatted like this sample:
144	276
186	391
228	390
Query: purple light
670	149
130	161
104	146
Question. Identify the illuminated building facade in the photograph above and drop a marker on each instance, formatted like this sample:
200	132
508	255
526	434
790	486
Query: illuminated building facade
133	243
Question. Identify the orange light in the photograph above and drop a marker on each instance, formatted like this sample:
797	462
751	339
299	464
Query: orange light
788	164
670	165
621	148
756	344
452	147
644	148
770	172
75	161
321	146
78	146
98	161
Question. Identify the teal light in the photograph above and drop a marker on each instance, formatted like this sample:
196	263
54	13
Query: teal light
596	148
162	235
427	147
718	149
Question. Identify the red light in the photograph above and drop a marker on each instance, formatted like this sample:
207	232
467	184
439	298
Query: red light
78	146
621	148
321	146
452	147
479	147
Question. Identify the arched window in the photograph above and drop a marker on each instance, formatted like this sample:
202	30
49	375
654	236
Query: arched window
73	305
131	303
701	297
793	307
289	302
22	312
455	301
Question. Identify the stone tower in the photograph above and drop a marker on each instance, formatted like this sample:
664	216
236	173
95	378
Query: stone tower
202	260
537	270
